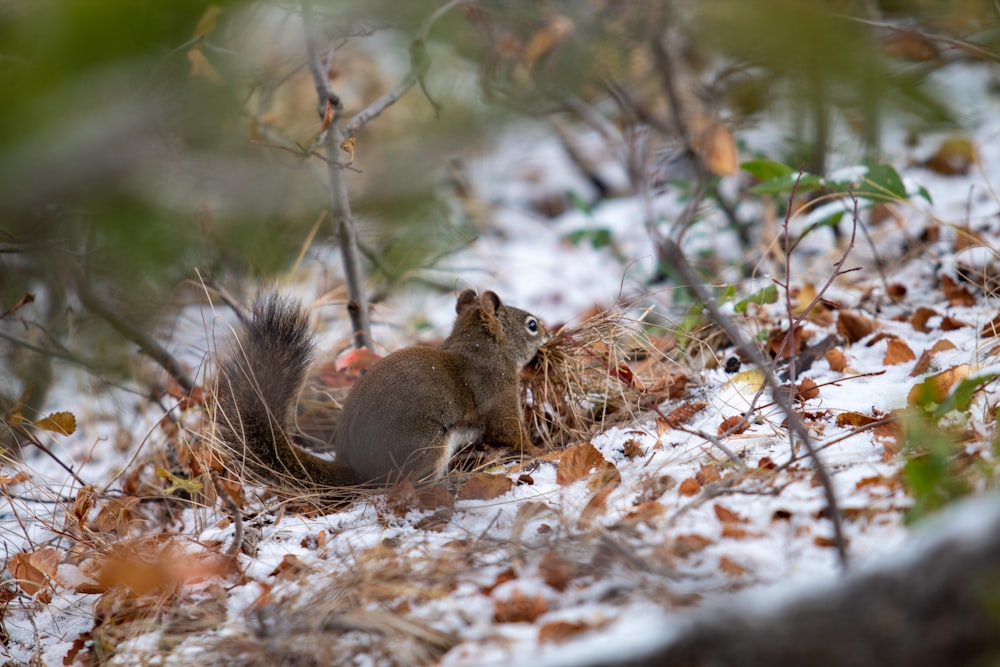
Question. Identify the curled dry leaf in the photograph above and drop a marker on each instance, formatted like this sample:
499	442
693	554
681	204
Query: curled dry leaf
956	294
854	327
935	388
855	419
733	426
595	506
726	515
836	360
924	362
708	474
484	486
954	157
920	318
897	352
576	463
34	571
806	390
683	413
992	328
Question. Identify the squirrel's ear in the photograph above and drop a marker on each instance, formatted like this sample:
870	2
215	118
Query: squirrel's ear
490	302
465	299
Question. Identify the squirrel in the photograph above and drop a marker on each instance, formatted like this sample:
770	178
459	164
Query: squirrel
404	419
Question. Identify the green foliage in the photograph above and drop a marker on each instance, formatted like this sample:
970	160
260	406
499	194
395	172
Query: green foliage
764	295
938	469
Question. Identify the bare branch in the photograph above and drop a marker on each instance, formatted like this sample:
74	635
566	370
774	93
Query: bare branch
147	345
672	254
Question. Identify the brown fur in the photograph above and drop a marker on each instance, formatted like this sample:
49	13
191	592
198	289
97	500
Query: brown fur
404	419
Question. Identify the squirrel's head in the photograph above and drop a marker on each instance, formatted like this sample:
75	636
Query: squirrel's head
517	332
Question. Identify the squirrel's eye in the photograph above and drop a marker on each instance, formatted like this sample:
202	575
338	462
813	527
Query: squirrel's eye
531	324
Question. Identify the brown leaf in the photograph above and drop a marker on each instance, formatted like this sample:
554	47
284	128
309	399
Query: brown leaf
690	543
632	449
207	22
117	514
556	570
730	423
855	419
822	541
836	360
992	328
595	506
896	292
17	478
576	463
555	31
290	567
731	567
924	362
557	632
726	515
920	318
34	571
806	390
734	532
201	68
956	294
783	346
63	423
935	388
683	413
646	512
854	327
953	157
708	474
897	352
689	487
949	323
717	148
484	486
519	608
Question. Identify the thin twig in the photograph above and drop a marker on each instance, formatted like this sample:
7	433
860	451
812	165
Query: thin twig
672	253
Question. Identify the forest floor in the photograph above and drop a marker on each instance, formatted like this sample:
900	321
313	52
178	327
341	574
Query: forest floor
608	544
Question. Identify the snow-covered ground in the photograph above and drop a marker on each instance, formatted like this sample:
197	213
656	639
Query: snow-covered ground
553	571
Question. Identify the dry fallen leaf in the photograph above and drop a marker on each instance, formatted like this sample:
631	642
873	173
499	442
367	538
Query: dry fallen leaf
935	387
732	426
806	390
836	360
957	295
854	327
953	157
485	486
576	462
557	632
897	352
689	487
924	362
920	318
34	571
519	608
58	422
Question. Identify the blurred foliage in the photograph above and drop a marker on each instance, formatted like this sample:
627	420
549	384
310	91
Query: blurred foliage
142	141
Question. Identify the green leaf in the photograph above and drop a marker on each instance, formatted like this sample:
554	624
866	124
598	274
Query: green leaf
765	170
784	184
579	203
767	294
882	182
925	193
961	396
598	238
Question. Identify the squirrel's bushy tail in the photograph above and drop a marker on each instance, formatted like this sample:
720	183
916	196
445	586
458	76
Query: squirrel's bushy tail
259	382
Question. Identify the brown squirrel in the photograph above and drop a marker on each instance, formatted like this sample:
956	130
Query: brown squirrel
404	418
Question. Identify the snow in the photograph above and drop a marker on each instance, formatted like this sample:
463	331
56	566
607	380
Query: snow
633	586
